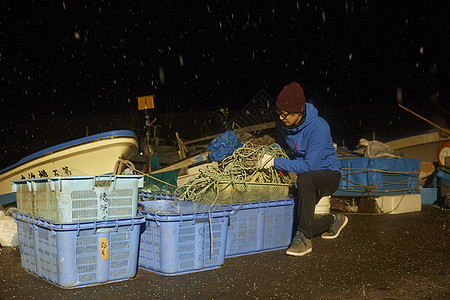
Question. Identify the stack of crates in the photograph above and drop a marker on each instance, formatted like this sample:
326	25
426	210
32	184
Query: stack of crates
262	218
183	236
79	231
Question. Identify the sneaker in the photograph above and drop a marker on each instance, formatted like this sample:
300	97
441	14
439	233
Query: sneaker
339	223
300	245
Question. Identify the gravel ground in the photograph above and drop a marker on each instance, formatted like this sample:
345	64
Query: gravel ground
404	256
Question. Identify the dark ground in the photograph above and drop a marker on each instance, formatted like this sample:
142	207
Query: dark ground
404	256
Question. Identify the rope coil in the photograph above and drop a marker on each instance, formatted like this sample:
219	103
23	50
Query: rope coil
238	169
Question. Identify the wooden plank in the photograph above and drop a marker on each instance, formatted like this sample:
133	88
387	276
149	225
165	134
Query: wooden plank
184	163
201	139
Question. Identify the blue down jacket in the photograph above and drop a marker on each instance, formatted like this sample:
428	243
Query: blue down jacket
309	145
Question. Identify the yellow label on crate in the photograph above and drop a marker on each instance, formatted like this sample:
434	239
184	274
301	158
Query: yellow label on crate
104	248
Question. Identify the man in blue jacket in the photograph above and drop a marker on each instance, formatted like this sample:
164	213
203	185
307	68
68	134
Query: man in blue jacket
306	138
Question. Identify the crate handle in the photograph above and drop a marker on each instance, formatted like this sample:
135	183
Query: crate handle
104	229
236	210
200	220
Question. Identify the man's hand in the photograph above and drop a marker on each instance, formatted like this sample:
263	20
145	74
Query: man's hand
267	161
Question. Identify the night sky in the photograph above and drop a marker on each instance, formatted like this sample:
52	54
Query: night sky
68	60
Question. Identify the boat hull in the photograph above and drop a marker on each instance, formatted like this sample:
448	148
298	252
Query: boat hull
97	155
423	146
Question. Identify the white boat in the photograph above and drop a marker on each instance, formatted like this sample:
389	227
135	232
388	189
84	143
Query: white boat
93	155
423	146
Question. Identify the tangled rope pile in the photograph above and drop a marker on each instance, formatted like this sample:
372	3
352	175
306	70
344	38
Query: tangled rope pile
238	169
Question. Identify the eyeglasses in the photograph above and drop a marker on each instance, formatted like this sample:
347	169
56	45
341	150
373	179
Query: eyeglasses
284	115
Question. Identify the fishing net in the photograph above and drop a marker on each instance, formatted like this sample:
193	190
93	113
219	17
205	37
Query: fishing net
239	178
161	183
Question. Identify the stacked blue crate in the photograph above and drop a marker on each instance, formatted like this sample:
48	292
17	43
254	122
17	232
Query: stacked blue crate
79	254
183	236
79	231
260	226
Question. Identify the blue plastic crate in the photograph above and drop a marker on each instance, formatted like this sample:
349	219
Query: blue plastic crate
183	237
428	195
79	198
25	232
260	226
79	254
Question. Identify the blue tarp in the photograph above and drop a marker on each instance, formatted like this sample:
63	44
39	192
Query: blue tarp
223	145
364	176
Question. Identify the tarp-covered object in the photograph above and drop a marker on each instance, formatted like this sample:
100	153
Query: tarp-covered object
364	176
223	145
8	231
376	149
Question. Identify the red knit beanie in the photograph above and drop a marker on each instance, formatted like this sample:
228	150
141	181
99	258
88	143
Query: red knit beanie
291	98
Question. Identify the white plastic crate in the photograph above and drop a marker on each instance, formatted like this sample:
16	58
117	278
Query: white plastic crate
79	254
182	237
79	198
397	204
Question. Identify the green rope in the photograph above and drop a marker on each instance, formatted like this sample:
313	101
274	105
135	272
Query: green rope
238	169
